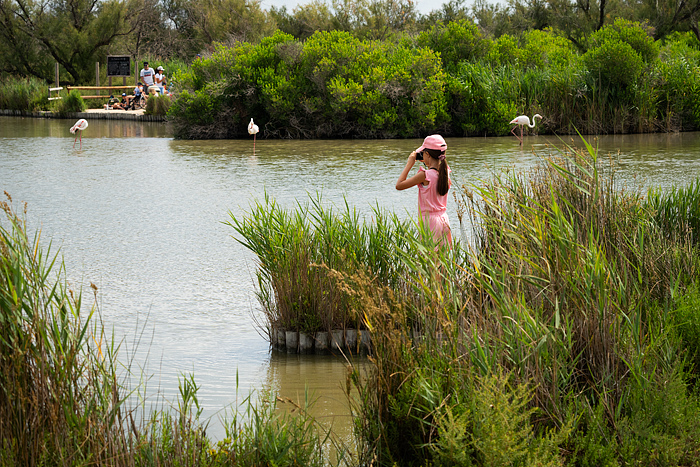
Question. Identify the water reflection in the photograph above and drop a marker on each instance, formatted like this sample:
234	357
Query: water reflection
142	216
321	381
25	127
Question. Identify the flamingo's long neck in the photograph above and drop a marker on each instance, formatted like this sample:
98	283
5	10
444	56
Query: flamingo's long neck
533	123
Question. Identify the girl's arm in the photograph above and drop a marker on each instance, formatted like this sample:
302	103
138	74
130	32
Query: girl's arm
402	183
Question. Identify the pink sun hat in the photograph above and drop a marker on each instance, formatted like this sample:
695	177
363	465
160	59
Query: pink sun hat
433	142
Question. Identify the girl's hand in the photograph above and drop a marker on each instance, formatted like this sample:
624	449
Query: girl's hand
402	183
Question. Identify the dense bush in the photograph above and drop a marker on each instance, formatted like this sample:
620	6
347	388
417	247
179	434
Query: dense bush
333	85
71	102
448	79
157	105
456	41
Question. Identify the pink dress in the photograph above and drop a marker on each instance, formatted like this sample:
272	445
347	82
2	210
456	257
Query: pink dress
433	208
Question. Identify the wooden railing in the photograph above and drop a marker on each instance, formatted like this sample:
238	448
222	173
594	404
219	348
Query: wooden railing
97	88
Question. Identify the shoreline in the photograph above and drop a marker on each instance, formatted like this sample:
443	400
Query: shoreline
99	114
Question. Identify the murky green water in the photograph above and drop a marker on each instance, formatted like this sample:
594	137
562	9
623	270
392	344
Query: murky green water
141	216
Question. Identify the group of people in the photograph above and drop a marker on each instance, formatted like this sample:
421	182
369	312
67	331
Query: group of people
152	82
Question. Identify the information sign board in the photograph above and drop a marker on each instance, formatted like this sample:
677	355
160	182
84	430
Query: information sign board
119	65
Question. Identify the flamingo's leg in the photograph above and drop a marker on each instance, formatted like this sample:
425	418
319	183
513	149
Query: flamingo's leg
81	139
254	136
516	135
521	135
76	139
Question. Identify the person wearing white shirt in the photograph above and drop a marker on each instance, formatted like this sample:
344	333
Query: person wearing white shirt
147	75
160	80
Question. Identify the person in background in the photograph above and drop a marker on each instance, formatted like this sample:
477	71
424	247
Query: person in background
147	76
160	80
433	185
111	102
116	105
138	94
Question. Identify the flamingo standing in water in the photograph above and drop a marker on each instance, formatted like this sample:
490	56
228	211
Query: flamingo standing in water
79	126
521	121
253	130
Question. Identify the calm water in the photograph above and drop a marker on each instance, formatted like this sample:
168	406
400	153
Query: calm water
141	216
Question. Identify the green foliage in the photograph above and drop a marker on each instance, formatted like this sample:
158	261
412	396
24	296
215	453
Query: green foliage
157	105
504	51
74	33
586	321
686	320
63	402
332	85
302	251
456	41
615	63
70	103
23	94
59	393
484	98
450	78
678	76
629	32
547	48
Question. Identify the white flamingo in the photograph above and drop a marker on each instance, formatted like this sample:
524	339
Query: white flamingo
521	121
79	126
253	130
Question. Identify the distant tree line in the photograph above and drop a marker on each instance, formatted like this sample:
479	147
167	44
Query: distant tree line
34	34
449	78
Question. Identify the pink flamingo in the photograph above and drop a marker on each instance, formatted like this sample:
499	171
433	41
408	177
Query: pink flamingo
521	121
253	130
79	126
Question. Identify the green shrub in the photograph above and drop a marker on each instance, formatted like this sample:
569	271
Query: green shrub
484	99
505	51
455	41
678	83
73	102
157	105
615	63
632	33
547	49
332	85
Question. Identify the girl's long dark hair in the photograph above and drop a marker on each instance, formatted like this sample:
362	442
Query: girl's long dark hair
443	184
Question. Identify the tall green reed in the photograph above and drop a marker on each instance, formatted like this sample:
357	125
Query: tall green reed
564	292
28	94
298	248
65	396
60	400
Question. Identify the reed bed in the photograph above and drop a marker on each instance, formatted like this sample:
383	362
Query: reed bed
65	397
299	250
565	337
29	94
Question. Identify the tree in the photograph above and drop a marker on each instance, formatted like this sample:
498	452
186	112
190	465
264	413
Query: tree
304	20
75	33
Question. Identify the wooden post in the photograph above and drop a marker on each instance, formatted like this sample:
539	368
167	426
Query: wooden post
97	76
57	85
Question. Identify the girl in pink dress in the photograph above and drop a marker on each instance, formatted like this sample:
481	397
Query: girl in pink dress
433	185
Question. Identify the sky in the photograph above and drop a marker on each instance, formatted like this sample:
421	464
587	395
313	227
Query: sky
423	6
